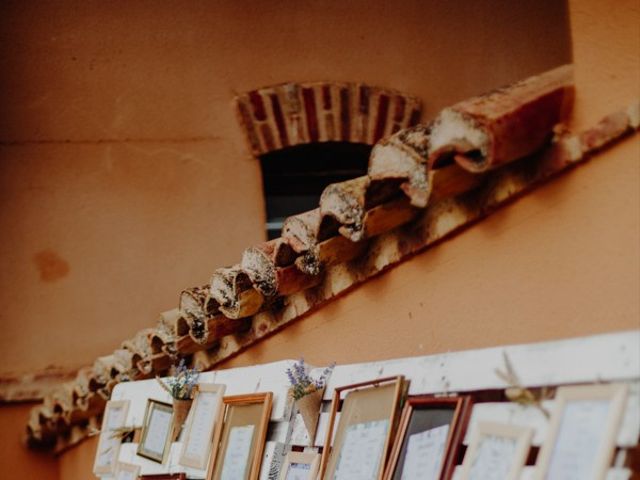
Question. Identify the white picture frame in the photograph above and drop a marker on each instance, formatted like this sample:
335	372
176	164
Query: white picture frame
114	417
310	463
126	471
583	429
203	426
496	451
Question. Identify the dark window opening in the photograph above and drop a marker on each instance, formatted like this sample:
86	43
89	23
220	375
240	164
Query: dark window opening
294	177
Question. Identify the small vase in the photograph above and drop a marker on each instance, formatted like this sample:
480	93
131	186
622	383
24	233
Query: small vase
180	412
309	408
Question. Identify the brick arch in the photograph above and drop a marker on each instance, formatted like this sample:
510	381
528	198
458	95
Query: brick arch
291	114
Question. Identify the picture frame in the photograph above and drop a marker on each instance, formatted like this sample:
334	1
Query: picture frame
238	453
583	429
300	466
114	417
203	426
164	476
155	439
126	471
363	434
497	450
429	436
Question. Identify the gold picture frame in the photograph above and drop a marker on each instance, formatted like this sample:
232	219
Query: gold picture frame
238	453
158	421
421	416
507	445
114	417
584	427
300	465
369	411
202	426
126	471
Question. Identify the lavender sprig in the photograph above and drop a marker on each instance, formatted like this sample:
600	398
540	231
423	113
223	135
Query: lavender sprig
302	383
181	385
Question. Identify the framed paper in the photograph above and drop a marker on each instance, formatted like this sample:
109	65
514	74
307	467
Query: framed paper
155	440
300	466
165	476
496	452
115	416
203	422
582	432
429	437
126	471
239	452
365	429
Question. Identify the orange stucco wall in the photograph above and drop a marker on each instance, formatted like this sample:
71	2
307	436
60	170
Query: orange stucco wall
123	176
16	460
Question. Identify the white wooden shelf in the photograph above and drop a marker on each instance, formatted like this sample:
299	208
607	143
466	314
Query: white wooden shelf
613	357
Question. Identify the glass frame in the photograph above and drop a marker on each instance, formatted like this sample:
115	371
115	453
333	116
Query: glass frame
152	406
460	407
235	417
371	410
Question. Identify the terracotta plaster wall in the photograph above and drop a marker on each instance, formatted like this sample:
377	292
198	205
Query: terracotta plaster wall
77	463
124	177
16	461
561	262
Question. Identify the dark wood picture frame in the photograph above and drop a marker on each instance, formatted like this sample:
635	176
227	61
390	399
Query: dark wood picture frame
235	417
454	411
374	411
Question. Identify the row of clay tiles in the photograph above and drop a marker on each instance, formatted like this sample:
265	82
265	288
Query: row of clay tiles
462	165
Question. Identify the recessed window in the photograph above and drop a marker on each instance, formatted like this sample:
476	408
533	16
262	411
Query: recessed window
294	177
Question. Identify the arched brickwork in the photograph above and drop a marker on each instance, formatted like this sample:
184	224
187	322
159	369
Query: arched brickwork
290	114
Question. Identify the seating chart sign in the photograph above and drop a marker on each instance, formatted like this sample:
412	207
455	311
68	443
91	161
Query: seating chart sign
579	439
157	428
239	451
157	431
583	430
298	471
361	454
115	416
127	471
425	452
430	433
198	436
494	458
236	458
300	466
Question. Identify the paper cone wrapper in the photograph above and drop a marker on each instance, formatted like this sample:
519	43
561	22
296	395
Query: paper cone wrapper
309	408
180	412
